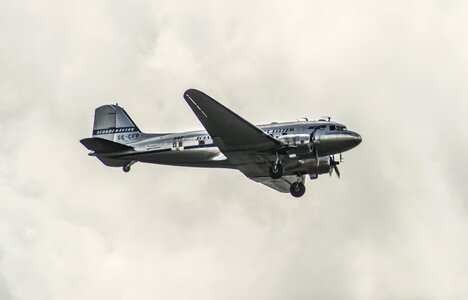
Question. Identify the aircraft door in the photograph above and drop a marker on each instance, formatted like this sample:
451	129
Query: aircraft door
177	144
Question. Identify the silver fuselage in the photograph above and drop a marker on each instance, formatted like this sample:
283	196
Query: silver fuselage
197	149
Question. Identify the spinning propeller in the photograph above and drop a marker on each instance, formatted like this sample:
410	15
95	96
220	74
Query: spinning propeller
334	166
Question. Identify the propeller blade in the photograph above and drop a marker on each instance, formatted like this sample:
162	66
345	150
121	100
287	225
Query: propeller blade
335	167
314	149
316	156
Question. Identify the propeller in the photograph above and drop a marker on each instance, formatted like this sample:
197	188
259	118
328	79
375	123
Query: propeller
314	148
334	166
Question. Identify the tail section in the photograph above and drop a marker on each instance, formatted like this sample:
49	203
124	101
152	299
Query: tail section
112	123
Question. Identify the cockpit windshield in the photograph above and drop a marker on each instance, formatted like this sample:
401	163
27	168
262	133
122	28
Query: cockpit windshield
337	127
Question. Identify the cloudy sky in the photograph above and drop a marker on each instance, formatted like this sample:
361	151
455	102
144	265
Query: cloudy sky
394	227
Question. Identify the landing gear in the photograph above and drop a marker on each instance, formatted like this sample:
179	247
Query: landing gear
297	189
276	171
127	167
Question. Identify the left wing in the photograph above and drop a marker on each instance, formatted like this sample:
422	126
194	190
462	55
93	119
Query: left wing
244	144
229	131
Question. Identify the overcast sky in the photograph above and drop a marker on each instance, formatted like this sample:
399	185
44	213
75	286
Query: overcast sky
394	227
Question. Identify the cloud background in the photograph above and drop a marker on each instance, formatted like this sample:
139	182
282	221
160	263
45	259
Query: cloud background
394	226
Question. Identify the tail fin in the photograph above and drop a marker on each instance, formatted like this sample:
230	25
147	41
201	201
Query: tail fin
112	123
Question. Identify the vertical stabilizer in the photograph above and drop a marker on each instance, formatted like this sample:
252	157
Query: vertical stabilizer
112	123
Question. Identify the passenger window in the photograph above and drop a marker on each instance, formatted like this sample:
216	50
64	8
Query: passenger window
180	143
201	142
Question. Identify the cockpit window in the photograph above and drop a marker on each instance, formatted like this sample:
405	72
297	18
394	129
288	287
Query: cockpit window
332	127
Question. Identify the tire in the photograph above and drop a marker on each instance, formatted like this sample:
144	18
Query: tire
126	169
297	189
276	171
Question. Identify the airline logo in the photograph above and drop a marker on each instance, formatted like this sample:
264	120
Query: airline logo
114	130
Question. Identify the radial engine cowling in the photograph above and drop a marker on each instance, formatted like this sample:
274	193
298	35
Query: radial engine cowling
322	167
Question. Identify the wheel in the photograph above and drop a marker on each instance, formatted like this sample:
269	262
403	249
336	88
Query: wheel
276	171
297	189
126	169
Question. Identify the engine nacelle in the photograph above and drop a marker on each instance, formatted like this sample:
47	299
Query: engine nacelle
294	139
322	167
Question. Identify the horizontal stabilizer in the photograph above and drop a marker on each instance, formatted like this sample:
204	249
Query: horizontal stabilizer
99	145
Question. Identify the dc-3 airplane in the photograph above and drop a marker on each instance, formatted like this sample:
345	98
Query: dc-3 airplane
278	155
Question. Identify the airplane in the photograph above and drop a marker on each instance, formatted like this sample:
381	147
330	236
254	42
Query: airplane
278	155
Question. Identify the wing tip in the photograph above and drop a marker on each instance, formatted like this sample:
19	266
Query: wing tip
191	91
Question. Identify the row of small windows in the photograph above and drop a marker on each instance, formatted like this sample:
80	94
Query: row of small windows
279	130
332	127
205	137
178	143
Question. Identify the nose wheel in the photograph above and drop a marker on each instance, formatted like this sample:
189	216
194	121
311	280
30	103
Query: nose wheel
297	189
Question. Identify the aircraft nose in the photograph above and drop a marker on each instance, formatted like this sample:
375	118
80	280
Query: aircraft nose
356	138
349	139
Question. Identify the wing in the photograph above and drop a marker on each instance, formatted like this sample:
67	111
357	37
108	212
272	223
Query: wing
229	131
245	145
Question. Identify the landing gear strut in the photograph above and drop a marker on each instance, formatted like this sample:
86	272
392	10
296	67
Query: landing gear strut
297	189
277	170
